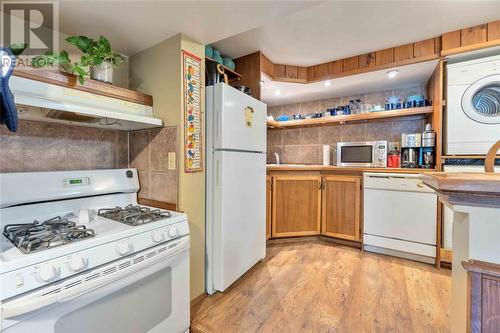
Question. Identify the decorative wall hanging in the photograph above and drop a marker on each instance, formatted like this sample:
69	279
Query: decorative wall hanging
193	148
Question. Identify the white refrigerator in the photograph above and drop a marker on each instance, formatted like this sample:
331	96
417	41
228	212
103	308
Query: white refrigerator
235	185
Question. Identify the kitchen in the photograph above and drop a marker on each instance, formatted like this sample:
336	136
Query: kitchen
250	177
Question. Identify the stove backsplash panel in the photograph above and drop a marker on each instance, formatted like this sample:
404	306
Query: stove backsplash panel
40	146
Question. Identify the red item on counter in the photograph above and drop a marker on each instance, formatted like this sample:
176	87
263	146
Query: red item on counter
393	161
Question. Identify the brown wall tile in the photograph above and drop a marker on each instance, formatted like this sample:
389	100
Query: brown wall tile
274	137
163	186
144	181
291	136
329	135
270	158
309	135
163	141
352	132
139	149
34	147
122	150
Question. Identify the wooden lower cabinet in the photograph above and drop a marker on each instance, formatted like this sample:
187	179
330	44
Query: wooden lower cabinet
296	205
341	207
269	195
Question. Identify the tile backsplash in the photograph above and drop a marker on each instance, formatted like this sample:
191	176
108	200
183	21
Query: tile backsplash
40	146
149	155
53	147
304	145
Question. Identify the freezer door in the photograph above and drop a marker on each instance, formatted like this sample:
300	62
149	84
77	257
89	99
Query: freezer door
239	215
239	120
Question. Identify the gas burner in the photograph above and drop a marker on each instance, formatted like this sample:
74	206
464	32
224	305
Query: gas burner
36	236
133	215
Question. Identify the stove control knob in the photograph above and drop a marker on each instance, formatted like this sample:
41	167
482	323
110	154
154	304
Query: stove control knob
158	237
123	248
173	232
47	272
77	263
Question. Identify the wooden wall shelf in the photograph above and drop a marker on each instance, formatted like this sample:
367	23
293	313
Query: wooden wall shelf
231	75
95	87
349	118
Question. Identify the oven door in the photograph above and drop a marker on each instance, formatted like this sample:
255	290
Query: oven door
145	292
359	154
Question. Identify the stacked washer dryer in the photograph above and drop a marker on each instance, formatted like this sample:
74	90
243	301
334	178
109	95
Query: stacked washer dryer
472	119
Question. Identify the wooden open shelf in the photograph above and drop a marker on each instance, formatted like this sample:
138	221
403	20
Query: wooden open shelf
349	118
95	87
231	75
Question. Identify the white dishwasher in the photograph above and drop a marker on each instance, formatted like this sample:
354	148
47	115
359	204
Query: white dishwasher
399	216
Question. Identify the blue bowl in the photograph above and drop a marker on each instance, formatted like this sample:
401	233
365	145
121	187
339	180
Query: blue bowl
229	63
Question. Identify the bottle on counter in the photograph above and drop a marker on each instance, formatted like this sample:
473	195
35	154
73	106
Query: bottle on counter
428	150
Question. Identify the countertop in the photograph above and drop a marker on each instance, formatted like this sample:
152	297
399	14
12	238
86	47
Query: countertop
466	188
307	167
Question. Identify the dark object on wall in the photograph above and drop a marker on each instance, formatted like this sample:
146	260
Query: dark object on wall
8	112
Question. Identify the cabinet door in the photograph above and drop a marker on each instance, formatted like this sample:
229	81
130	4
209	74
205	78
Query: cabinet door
341	207
269	186
296	206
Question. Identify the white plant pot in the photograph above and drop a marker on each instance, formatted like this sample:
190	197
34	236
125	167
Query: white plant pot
103	73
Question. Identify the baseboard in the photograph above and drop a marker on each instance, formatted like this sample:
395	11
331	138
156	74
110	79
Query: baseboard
318	238
198	299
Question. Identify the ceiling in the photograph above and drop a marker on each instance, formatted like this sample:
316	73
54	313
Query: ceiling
410	75
132	26
337	29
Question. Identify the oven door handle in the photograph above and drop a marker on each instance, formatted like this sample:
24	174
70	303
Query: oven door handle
31	303
26	306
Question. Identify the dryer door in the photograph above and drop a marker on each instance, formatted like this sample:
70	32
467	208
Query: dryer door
481	101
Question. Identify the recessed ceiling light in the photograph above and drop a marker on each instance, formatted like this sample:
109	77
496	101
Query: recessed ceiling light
392	74
277	92
261	81
328	83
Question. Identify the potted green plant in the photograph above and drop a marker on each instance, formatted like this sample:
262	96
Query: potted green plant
97	61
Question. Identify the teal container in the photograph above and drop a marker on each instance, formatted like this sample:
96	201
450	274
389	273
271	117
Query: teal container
209	51
217	57
229	63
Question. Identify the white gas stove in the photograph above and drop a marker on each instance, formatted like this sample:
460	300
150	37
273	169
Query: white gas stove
75	241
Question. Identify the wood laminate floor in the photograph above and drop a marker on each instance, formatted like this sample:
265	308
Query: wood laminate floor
321	287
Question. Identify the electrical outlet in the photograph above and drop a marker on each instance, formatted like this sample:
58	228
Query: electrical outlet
394	145
172	165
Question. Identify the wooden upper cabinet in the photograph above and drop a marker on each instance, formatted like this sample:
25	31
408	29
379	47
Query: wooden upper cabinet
424	48
279	71
403	52
366	60
269	194
296	203
350	64
384	57
335	67
321	71
494	30
341	205
473	35
450	40
291	72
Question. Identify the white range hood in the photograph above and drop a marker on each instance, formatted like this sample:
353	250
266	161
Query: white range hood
40	101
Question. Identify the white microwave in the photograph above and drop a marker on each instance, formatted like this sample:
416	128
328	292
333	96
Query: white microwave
362	154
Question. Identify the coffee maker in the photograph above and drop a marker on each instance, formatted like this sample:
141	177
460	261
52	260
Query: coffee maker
410	150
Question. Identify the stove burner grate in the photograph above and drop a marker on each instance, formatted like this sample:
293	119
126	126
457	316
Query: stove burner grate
36	236
133	215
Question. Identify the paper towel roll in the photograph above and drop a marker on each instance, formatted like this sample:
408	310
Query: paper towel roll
326	155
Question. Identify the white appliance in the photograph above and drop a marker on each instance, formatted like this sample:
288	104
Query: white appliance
235	185
363	154
447	212
472	123
81	270
40	101
399	216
